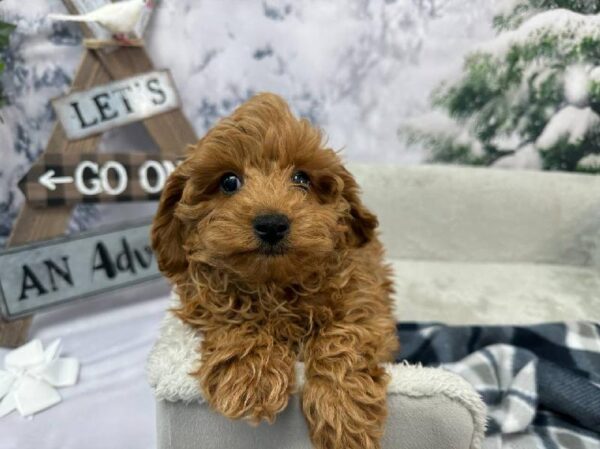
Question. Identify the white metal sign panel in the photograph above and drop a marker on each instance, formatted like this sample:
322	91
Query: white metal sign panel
107	106
48	273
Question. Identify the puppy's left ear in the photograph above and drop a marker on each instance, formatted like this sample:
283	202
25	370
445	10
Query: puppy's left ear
167	233
362	222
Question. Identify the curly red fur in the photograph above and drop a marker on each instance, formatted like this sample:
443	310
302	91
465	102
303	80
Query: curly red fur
324	300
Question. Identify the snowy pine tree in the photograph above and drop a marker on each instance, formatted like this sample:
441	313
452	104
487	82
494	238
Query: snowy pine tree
5	30
530	98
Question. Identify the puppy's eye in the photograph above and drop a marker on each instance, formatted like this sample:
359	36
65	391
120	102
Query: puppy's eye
230	183
301	179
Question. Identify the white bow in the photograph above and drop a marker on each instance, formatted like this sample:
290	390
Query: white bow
30	375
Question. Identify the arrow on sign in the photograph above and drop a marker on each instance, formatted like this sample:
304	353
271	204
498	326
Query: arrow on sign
96	177
49	182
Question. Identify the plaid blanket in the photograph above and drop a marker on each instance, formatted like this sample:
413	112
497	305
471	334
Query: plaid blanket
541	383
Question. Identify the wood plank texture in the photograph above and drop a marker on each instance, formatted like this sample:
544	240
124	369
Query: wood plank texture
39	224
171	131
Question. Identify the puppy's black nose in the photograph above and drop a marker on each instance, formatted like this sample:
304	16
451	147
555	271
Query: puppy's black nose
271	228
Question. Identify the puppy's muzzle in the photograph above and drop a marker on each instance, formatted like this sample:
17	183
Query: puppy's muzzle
271	228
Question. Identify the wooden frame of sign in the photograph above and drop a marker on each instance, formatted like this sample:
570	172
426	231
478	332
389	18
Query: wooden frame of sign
170	130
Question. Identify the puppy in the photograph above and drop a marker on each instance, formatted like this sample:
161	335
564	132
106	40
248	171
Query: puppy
275	258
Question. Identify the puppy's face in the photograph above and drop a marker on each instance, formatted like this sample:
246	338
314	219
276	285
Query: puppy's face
259	198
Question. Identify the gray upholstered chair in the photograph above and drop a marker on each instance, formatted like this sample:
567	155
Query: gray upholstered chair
469	246
429	408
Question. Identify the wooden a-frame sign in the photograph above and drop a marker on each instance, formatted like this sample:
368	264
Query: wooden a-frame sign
170	130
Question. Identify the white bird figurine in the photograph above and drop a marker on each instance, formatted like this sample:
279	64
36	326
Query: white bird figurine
119	18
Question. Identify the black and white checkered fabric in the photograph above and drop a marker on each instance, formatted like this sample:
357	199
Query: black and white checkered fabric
541	383
64	164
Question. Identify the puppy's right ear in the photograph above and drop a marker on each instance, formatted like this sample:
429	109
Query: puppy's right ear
168	232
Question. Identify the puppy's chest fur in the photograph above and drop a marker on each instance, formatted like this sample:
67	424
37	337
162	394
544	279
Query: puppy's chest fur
356	289
289	314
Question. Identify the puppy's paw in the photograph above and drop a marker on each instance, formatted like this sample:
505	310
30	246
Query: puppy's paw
254	385
346	415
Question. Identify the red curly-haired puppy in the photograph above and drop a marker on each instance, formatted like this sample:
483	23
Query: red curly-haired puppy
275	258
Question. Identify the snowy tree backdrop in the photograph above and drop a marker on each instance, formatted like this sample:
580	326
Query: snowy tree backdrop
529	98
514	76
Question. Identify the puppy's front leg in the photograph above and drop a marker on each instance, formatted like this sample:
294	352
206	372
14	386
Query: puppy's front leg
246	374
344	397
